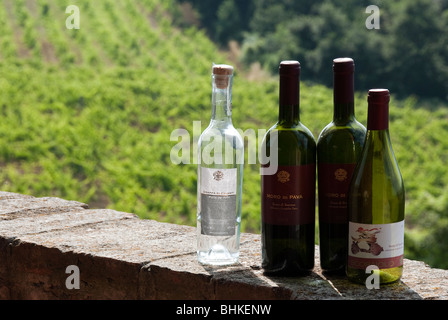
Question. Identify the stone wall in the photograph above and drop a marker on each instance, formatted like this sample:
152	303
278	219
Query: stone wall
119	256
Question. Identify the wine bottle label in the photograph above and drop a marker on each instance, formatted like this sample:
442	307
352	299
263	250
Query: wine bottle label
334	182
218	201
288	196
380	245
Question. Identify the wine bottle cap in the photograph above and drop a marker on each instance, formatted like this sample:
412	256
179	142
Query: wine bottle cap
289	67
378	110
289	71
378	96
343	80
343	65
221	73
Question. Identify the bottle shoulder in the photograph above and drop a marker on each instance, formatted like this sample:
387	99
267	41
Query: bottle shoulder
334	135
226	132
354	127
220	128
379	156
294	145
298	130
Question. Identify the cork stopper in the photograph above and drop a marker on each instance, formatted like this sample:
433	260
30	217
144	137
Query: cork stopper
221	74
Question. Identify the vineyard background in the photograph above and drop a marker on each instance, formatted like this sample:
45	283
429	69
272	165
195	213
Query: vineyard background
87	114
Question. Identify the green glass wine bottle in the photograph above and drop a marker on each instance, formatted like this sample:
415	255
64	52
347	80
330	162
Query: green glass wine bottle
338	149
376	203
288	195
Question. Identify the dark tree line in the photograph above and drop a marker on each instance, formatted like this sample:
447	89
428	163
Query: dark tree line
408	54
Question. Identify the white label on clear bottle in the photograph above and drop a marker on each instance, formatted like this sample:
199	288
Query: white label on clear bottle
218	181
381	245
218	201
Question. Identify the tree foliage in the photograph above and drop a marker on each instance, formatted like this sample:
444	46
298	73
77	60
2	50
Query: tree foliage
408	54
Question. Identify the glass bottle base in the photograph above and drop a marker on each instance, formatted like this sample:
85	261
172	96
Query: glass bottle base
217	255
386	276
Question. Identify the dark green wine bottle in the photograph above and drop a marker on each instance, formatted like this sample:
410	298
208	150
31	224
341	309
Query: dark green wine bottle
338	148
376	202
288	195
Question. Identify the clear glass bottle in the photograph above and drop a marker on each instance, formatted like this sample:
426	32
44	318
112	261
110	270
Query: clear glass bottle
376	204
220	177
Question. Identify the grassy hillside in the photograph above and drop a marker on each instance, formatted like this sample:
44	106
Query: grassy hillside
87	114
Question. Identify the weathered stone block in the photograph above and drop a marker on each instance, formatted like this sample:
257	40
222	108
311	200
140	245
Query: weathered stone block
120	256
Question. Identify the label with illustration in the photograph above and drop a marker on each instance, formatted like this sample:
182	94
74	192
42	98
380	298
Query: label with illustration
380	245
288	196
218	201
334	182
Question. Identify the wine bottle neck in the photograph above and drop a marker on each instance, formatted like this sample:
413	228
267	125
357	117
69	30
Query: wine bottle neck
289	98
378	141
222	100
343	96
378	116
289	114
343	112
378	109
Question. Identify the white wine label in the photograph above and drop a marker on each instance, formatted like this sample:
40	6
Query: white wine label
218	181
218	201
381	245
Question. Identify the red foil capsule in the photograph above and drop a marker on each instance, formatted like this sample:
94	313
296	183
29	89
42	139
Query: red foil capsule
289	72
378	109
343	70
